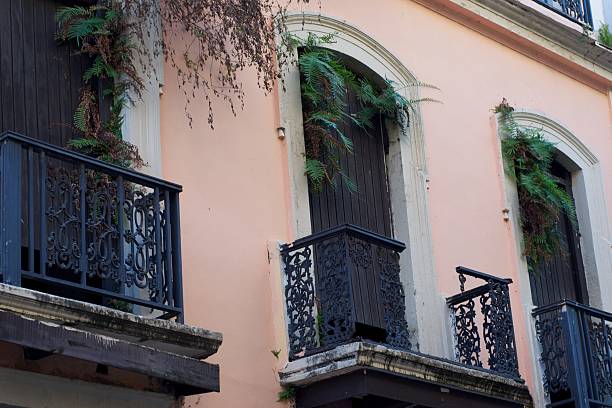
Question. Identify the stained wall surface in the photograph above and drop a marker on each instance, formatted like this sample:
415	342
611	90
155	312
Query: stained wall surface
236	199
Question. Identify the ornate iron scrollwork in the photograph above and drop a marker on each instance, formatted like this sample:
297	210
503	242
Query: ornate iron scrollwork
103	228
601	351
327	275
467	335
142	247
300	300
63	218
553	356
333	290
498	329
392	295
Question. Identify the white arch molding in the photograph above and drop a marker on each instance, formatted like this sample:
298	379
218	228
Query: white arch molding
591	209
407	174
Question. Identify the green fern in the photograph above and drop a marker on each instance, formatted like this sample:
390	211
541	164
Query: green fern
316	173
326	81
528	158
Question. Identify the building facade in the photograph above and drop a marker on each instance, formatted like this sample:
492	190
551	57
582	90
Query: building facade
412	290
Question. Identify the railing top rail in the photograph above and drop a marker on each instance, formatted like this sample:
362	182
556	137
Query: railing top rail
351	229
571	303
481	275
467	295
97	164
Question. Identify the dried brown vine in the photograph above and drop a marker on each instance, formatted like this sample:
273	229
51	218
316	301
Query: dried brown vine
210	42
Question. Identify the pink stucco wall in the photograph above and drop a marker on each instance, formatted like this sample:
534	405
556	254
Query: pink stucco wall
235	196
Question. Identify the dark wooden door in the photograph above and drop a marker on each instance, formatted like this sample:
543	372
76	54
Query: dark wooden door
368	207
562	278
40	80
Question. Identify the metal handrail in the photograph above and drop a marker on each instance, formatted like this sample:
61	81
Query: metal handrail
115	170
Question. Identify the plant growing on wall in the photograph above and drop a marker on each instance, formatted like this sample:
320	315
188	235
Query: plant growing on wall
207	43
528	158
101	33
604	35
326	82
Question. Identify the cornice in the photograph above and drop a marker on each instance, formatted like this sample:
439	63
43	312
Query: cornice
534	34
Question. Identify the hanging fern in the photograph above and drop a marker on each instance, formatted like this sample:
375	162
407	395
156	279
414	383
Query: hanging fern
100	32
326	81
528	158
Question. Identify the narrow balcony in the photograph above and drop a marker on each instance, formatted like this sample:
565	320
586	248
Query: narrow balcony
349	343
578	11
576	354
482	316
96	249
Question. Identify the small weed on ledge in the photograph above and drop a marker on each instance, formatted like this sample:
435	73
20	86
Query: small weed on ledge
287	394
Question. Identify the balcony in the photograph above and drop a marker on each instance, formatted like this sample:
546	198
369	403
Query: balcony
355	290
578	11
483	316
576	354
78	227
95	249
348	337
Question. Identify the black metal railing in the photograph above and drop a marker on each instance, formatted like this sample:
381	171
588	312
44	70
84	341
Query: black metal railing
343	284
576	354
482	317
578	11
80	228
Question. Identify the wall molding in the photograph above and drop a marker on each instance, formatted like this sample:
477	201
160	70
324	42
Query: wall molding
534	34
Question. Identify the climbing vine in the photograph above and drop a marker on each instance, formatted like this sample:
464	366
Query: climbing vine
528	158
325	83
207	43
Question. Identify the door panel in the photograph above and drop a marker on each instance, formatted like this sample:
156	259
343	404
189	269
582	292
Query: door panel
562	278
40	80
369	207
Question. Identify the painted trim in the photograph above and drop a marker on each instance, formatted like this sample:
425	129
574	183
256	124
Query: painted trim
407	174
142	118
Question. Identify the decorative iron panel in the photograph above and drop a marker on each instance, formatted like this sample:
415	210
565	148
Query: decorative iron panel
553	355
490	324
341	285
576	353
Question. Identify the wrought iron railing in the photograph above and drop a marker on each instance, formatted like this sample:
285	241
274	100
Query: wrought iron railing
343	284
578	11
576	354
483	326
80	228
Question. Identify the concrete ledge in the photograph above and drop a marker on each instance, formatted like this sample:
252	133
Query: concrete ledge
163	335
431	370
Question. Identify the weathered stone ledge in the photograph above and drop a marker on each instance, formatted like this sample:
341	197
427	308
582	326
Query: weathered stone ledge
362	355
164	335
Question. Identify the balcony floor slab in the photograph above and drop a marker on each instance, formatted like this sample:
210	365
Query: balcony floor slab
167	352
408	377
